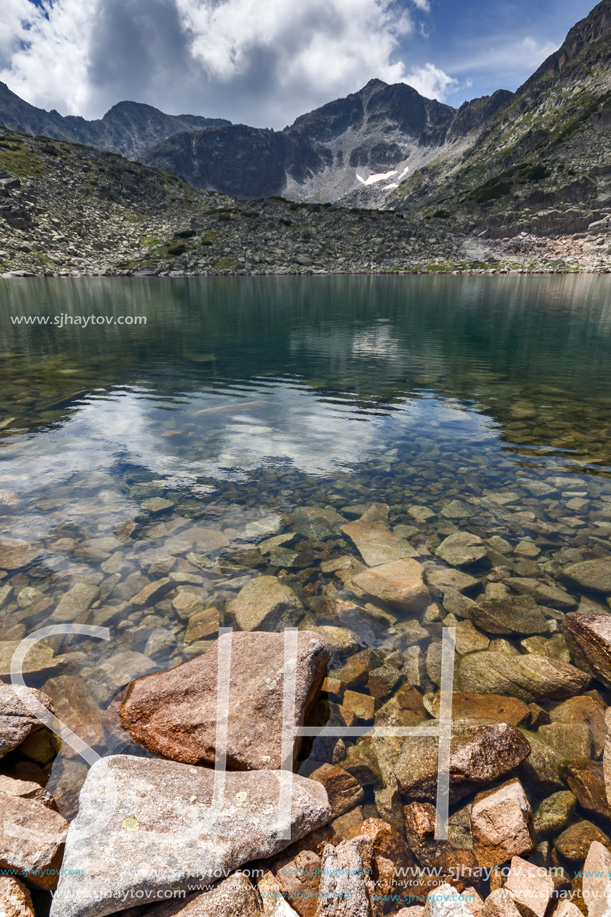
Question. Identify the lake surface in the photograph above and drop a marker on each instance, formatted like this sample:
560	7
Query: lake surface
129	453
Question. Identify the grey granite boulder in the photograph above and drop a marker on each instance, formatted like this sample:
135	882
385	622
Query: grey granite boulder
17	722
150	825
235	895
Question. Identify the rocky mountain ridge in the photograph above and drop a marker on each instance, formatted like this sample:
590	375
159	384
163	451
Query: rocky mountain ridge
354	150
541	165
128	128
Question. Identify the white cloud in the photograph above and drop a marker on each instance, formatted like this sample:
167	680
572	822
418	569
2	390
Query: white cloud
432	82
261	61
49	60
322	48
513	54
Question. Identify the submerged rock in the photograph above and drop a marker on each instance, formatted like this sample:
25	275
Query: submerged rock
461	549
317	522
376	543
75	603
573	844
480	754
529	678
265	604
174	713
399	584
151	825
509	615
592	634
16	555
593	575
554	813
16	720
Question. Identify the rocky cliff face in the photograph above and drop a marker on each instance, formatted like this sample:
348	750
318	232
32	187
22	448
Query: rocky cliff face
129	128
542	164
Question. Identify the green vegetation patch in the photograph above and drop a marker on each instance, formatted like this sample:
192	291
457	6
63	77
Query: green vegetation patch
22	163
177	249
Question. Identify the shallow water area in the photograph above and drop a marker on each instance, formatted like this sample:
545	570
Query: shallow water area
245	425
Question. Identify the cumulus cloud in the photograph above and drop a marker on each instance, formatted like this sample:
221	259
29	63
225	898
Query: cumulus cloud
45	59
259	61
432	82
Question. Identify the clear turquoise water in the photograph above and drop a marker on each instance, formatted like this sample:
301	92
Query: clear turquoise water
242	399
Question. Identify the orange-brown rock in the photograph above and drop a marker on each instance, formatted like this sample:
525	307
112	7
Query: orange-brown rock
75	707
586	780
299	879
386	842
174	713
343	790
420	819
15	899
584	709
573	844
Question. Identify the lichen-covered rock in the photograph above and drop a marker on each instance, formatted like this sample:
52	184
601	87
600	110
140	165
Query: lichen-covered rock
147	824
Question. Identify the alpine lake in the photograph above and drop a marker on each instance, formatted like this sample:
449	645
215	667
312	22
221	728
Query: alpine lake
149	472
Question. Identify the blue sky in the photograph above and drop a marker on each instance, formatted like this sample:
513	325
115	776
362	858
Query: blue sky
264	62
492	44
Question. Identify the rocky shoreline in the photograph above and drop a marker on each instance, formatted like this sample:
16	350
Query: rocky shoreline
530	775
73	211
